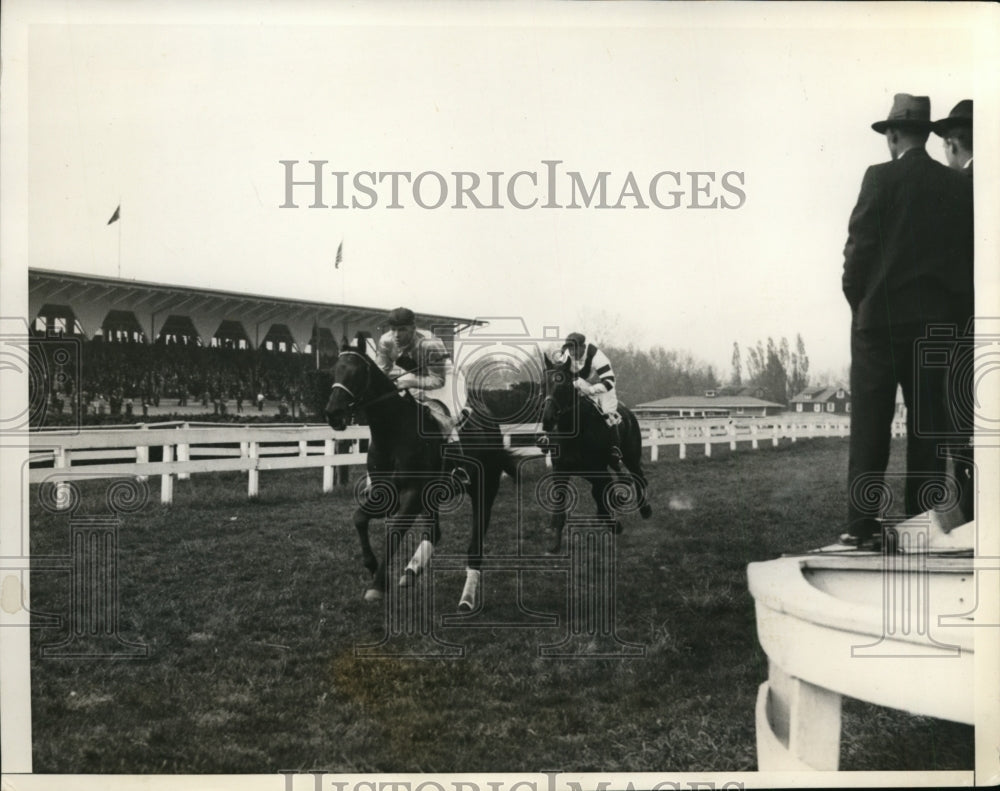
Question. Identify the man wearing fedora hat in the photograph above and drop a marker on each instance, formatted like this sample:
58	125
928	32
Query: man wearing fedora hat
956	130
907	265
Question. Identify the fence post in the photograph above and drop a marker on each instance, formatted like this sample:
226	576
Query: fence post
775	433
60	460
793	430
328	470
142	454
731	431
167	479
245	453
682	448
253	479
753	433
707	431
183	454
654	449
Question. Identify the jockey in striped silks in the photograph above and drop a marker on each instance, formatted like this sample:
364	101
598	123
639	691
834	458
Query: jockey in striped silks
594	378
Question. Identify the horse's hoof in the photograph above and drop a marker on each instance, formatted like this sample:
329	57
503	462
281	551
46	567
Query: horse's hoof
408	579
373	594
646	511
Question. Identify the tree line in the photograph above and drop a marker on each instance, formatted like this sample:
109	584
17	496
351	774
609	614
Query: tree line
774	368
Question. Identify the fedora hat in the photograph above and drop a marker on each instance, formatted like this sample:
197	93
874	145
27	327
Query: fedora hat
912	112
960	115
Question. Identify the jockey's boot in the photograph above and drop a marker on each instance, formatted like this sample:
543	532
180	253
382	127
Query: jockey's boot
616	453
452	467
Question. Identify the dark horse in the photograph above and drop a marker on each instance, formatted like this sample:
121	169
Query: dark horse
407	479
577	436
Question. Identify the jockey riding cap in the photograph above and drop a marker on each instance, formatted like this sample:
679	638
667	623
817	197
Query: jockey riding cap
575	340
402	317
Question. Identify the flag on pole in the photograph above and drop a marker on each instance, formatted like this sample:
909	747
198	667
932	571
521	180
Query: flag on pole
340	252
117	215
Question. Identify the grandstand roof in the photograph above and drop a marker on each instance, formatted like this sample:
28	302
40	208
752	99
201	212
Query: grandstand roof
695	401
49	285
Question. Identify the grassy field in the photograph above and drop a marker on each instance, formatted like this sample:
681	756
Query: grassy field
252	614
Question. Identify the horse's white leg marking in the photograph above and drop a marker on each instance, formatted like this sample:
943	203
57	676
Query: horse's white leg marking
471	589
420	559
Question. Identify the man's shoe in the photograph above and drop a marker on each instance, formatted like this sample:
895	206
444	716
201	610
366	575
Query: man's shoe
616	458
871	543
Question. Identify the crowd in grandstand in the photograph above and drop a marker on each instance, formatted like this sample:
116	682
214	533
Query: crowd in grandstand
127	379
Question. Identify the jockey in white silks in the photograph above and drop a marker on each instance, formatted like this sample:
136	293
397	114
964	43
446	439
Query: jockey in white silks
418	361
594	378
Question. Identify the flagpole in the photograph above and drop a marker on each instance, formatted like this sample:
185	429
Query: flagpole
119	239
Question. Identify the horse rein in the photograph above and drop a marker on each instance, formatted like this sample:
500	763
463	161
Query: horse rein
356	400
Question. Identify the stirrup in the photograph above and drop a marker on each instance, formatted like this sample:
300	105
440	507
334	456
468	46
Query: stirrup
461	476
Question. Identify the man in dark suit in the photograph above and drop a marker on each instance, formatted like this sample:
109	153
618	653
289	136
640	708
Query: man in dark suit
907	265
956	131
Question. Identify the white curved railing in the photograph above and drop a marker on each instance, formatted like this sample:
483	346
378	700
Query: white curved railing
193	448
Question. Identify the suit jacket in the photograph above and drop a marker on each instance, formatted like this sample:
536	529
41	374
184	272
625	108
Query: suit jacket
909	253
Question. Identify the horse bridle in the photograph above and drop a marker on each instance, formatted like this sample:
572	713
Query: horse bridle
357	400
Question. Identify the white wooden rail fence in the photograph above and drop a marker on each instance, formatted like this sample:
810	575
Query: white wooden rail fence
189	448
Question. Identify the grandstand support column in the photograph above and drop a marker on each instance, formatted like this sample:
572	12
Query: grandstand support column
253	479
328	470
167	479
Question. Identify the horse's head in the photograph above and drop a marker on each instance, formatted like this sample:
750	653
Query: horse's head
559	395
353	375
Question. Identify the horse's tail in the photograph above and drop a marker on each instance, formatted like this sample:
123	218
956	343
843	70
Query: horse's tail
632	453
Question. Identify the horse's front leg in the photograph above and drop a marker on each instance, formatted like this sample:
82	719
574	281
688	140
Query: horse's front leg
600	486
412	514
361	520
561	498
483	491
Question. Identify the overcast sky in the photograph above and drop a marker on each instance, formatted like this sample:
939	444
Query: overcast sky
183	117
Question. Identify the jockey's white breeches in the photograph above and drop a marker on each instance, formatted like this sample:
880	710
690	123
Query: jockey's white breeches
607	402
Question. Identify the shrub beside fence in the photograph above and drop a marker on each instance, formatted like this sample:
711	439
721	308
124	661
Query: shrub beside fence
175	451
